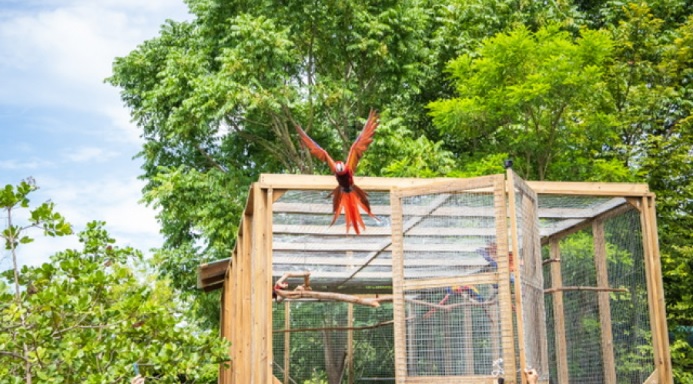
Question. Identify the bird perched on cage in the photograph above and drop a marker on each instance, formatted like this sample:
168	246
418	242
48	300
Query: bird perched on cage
347	196
531	376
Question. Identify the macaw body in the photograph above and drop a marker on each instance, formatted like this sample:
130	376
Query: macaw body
347	197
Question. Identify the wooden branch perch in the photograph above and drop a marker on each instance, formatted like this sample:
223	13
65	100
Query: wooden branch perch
332	296
592	289
304	291
548	261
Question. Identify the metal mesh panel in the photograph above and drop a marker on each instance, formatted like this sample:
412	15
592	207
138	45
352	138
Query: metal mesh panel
318	343
451	330
460	339
582	321
531	280
446	234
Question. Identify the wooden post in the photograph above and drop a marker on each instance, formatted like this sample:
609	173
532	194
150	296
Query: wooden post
558	314
399	314
504	297
515	266
655	289
604	303
287	341
241	357
261	293
350	343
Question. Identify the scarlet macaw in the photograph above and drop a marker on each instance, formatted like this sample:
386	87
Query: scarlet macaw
346	196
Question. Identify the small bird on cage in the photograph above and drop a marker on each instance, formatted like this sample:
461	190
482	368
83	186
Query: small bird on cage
531	376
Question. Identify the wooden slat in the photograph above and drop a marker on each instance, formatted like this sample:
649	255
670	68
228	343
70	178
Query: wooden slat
287	341
450	185
607	341
481	379
242	366
616	211
211	272
421	210
370	247
324	231
589	188
655	284
316	182
515	266
350	344
325	182
353	262
441	282
559	314
400	324
504	297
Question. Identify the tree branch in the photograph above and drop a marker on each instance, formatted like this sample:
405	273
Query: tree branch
15	355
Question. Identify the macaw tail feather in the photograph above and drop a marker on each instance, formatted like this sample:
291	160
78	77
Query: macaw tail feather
350	202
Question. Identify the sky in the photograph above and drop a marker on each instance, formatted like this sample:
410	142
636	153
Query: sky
62	125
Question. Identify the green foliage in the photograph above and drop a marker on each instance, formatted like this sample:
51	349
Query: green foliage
42	217
89	314
530	95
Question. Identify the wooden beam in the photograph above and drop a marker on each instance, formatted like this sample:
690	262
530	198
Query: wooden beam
287	341
515	266
505	317
471	379
613	212
399	312
443	282
589	188
559	314
607	340
350	344
316	182
655	284
352	263
361	246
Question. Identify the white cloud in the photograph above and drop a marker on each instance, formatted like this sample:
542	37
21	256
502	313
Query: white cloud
55	56
26	164
90	154
60	55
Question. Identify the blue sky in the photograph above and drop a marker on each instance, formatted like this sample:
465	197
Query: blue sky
62	125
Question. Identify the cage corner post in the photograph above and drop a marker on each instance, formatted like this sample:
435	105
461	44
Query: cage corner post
655	288
501	188
261	287
400	327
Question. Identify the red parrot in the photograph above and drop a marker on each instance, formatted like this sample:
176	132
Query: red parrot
346	196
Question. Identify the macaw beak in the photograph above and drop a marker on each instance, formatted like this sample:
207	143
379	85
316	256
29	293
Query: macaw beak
339	166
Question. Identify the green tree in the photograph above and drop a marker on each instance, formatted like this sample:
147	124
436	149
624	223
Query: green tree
532	96
88	315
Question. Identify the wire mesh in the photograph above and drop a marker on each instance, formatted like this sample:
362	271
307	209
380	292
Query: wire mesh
584	326
318	343
451	330
528	262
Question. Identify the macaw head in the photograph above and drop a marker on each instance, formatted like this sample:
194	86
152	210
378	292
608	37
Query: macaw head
340	167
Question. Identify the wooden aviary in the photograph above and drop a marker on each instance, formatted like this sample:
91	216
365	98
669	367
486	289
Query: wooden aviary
457	281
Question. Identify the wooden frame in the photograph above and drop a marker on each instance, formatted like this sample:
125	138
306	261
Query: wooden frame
246	278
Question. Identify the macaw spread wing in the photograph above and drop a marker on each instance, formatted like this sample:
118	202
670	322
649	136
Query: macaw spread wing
363	141
315	149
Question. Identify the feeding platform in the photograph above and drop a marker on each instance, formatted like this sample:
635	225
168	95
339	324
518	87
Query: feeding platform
457	281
